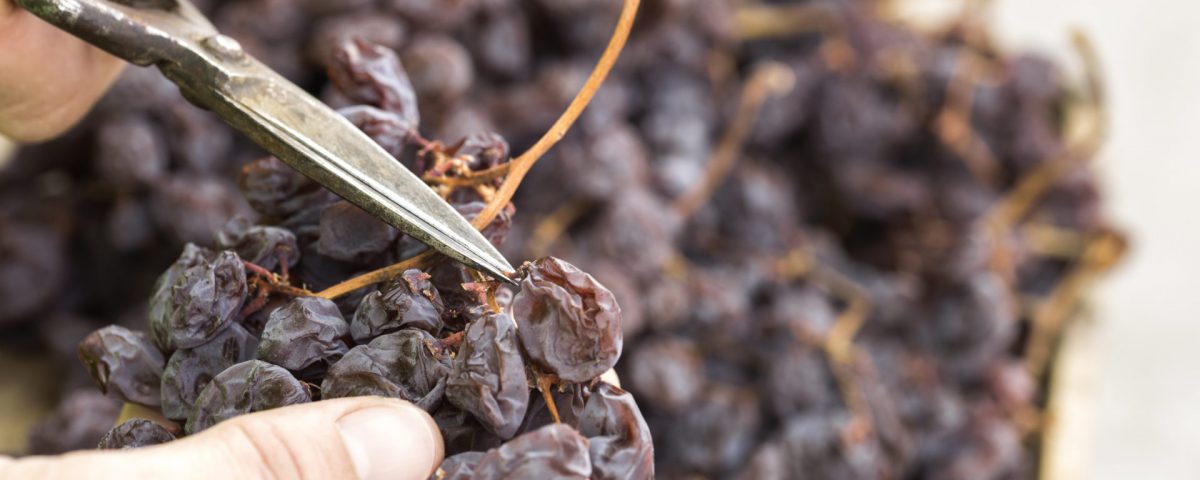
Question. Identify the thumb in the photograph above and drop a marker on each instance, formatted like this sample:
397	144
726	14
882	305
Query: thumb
48	78
363	437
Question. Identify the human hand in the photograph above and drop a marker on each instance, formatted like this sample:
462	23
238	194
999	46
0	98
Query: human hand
48	78
362	437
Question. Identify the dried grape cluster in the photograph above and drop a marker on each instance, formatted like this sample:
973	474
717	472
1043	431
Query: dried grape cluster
228	336
839	246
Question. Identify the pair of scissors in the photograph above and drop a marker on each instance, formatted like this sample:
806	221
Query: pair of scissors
214	72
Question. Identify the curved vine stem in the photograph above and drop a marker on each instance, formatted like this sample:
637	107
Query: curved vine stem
768	79
472	178
755	21
520	165
1089	125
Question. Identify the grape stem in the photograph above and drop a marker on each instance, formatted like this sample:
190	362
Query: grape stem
847	361
552	226
1049	317
257	303
762	21
953	123
771	78
131	411
544	384
519	166
273	282
470	179
1088	137
283	257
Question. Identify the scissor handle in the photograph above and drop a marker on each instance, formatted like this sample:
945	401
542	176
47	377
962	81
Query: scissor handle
170	34
143	32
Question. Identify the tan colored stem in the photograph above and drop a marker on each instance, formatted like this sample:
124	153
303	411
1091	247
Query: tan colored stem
844	357
953	124
522	164
422	260
544	385
1050	316
130	411
1048	240
1087	136
472	178
768	79
1086	127
519	166
552	226
760	21
846	360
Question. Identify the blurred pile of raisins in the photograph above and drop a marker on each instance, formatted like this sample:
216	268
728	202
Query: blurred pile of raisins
871	291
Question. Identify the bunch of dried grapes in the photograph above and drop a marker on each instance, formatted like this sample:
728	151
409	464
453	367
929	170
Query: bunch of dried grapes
871	289
235	331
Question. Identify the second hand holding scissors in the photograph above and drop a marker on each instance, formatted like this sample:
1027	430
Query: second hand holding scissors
214	72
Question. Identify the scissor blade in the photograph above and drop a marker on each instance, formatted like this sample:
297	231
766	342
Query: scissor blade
323	145
213	71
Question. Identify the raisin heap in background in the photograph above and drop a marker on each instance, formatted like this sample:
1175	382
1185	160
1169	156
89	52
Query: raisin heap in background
844	304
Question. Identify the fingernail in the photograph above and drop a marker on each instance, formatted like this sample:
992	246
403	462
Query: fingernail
387	442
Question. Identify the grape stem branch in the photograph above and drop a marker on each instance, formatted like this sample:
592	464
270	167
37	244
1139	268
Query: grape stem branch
274	282
768	79
519	166
762	21
1087	122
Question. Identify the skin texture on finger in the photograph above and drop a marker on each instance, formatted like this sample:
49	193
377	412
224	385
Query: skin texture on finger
48	78
302	441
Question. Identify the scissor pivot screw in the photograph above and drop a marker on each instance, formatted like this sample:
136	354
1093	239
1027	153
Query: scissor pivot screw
225	47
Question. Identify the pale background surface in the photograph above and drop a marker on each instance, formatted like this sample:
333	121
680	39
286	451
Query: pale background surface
1147	421
1146	392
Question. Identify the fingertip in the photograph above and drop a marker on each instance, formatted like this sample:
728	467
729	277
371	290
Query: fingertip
392	440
